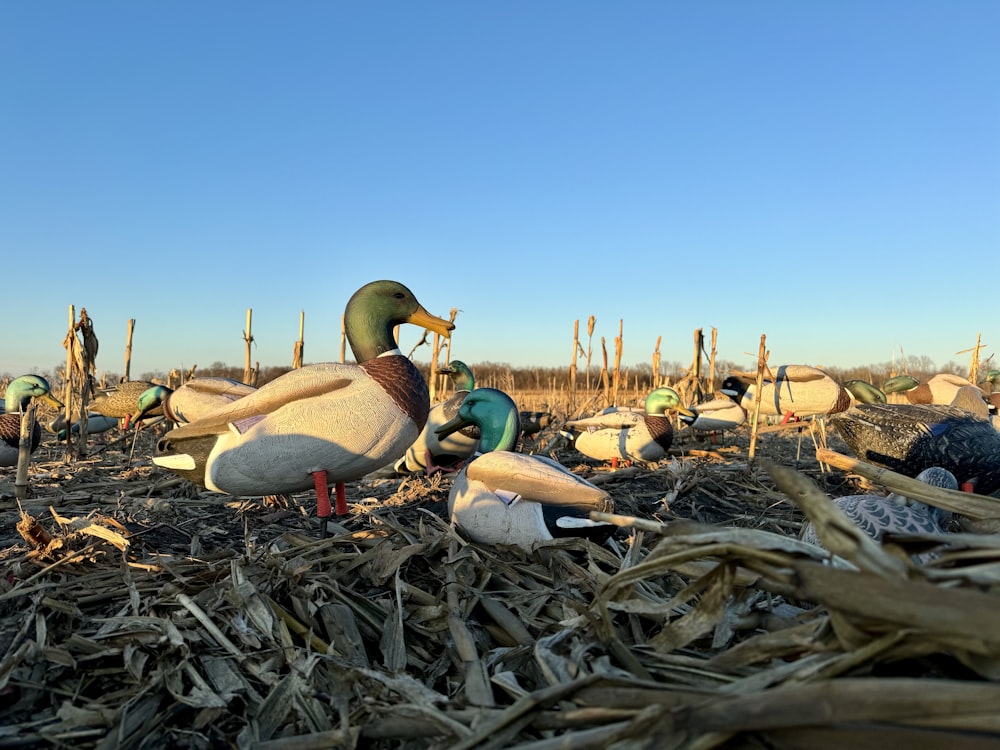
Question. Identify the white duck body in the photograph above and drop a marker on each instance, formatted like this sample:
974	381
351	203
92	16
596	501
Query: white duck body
628	434
315	418
715	415
199	396
799	389
503	497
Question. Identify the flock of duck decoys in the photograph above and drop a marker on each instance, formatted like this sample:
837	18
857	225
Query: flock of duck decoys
331	423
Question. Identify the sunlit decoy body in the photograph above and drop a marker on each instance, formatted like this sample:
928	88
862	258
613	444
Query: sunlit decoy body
320	423
716	415
794	391
197	397
503	497
909	438
18	395
944	388
629	435
878	515
431	453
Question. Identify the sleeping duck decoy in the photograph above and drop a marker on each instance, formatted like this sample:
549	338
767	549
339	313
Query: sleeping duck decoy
715	415
122	402
909	438
320	423
503	497
628	435
795	391
19	393
943	388
431	453
878	515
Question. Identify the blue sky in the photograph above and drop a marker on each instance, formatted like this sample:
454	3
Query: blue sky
825	174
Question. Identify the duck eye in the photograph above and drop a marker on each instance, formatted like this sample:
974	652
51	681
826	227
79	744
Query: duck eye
400	295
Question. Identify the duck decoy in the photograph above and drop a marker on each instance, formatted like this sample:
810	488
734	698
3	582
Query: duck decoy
431	453
195	398
19	393
943	388
504	497
715	415
794	392
628	435
863	392
96	423
122	402
533	422
909	438
878	515
321	423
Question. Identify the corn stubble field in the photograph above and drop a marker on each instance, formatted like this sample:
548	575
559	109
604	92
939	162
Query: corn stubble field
140	611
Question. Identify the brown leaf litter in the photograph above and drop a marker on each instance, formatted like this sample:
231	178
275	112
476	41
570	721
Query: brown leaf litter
139	611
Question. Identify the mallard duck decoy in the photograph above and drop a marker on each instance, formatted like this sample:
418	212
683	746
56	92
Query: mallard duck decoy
795	391
715	415
431	453
122	402
878	515
863	392
943	388
503	497
19	393
533	422
628	435
195	398
909	438
320	423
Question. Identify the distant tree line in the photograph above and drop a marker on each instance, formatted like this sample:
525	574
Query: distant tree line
504	376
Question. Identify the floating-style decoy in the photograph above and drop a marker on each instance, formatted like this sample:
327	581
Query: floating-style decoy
320	423
909	438
503	497
629	435
122	402
431	453
943	388
716	415
19	393
795	391
878	515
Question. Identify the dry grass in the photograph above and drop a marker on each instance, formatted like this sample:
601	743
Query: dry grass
139	611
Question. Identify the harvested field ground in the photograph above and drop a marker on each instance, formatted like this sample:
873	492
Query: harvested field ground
137	611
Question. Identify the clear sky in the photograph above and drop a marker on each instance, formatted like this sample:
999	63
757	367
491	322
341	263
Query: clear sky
826	174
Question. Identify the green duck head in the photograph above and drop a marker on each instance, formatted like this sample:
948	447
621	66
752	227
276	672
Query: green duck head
864	392
461	376
149	399
494	413
664	399
900	384
21	390
375	309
